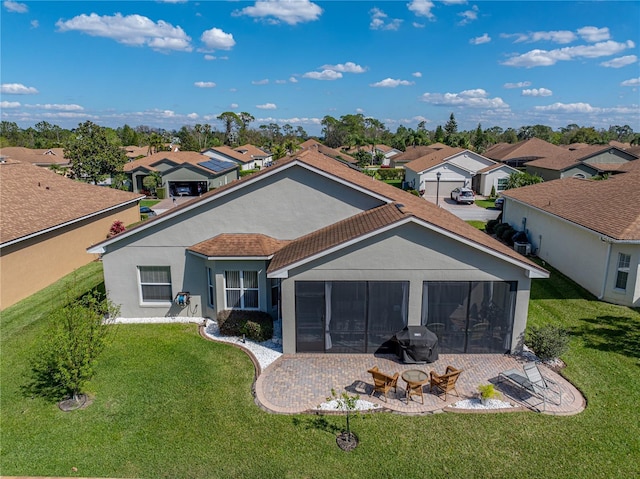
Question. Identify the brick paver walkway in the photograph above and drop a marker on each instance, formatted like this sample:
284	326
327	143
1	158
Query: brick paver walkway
300	383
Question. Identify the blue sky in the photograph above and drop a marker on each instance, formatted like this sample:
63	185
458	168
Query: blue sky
172	63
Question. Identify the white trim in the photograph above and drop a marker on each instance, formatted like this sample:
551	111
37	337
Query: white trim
271	170
529	270
230	258
67	223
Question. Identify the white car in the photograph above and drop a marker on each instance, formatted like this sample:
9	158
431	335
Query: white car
463	195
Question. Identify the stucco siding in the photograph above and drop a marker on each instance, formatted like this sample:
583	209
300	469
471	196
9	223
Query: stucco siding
28	266
427	256
470	161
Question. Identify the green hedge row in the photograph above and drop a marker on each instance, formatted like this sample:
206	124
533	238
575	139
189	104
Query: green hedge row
255	325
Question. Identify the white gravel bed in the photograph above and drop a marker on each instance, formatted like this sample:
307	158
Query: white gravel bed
335	405
477	404
265	352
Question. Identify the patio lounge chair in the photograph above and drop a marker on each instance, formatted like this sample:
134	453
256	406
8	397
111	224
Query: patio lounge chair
534	383
445	382
382	382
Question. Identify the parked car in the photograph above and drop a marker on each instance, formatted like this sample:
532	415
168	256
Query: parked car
499	203
145	210
183	191
463	195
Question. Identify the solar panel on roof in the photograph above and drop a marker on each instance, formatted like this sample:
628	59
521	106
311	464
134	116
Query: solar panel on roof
217	165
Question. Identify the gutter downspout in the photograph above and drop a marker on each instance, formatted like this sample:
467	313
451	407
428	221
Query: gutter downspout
606	272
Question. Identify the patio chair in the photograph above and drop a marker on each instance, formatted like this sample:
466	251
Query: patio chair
534	383
382	382
445	382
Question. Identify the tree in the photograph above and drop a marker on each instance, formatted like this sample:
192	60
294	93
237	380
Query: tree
156	143
479	140
438	136
66	358
230	120
450	129
92	154
516	180
152	181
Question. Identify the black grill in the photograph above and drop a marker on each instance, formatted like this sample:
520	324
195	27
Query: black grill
417	345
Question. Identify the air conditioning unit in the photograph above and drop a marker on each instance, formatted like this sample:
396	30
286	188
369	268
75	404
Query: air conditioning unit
522	248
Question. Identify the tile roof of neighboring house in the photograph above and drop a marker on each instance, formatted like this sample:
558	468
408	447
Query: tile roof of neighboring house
134	152
315	145
432	159
234	154
177	157
496	166
35	199
630	166
531	148
412	206
252	151
384	148
43	156
438	146
239	245
413	153
610	207
574	146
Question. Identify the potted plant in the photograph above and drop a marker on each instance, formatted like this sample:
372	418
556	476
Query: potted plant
486	392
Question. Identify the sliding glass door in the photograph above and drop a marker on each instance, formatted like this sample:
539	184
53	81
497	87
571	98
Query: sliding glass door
349	316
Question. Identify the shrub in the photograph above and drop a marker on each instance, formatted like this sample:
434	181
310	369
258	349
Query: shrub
255	325
499	228
116	228
492	195
548	342
414	192
490	226
507	235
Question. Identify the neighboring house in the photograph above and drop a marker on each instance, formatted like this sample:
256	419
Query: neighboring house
315	145
134	152
457	168
187	173
342	261
518	154
587	229
248	157
40	157
584	162
413	153
46	223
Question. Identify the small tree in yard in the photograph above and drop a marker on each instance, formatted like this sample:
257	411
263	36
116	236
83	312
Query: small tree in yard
347	403
67	357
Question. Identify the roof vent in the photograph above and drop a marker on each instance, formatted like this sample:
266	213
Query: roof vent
399	206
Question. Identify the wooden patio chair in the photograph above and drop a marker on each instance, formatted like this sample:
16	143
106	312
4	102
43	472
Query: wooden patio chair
382	382
445	382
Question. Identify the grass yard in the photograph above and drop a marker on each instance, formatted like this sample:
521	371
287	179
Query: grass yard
485	203
149	203
169	404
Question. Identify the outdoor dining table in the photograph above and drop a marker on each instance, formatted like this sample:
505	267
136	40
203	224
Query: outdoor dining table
415	379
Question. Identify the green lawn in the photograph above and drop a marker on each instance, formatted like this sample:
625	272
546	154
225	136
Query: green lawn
485	203
149	203
169	404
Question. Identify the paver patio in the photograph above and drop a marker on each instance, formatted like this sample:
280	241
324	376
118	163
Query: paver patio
300	383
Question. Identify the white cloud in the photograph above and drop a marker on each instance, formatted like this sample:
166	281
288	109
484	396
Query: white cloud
193	116
391	83
537	92
132	30
34	23
348	67
205	84
468	16
379	20
287	11
17	89
15	7
323	75
267	106
422	8
569	108
594	34
480	40
57	106
520	84
631	82
209	57
620	61
280	82
536	58
477	98
216	39
417	74
9	104
293	80
264	81
233	105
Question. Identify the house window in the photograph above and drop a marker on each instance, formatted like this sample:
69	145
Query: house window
624	260
241	289
155	284
502	184
210	287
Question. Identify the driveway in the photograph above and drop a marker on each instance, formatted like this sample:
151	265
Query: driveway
465	212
